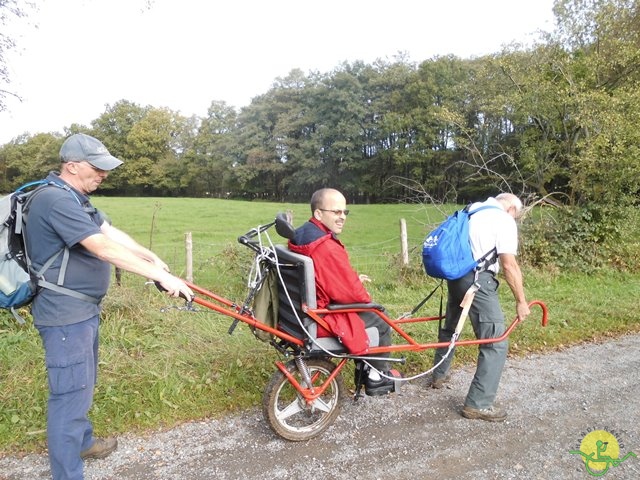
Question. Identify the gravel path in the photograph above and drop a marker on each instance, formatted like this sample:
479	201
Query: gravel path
553	400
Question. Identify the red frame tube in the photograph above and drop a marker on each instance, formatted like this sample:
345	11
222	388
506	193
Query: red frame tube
225	307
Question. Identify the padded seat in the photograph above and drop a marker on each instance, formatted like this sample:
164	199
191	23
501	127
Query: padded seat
300	289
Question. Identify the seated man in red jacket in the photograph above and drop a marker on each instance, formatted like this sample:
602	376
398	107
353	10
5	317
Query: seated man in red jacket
338	283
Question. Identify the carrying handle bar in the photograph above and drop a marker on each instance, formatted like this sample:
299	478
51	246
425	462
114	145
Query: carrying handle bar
182	295
283	227
247	238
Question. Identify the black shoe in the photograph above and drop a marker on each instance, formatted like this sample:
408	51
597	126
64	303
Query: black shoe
383	386
378	387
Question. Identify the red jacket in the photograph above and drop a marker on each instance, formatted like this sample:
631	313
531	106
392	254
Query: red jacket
336	282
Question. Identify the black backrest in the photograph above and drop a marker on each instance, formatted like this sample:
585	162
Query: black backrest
299	288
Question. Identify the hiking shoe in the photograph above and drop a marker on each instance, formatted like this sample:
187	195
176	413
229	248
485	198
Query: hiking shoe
439	382
491	414
101	448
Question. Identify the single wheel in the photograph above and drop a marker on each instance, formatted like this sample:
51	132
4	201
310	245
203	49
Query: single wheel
286	410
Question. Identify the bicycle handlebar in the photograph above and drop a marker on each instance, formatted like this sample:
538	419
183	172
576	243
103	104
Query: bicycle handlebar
251	234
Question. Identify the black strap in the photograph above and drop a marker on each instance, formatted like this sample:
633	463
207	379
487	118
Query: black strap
419	306
488	259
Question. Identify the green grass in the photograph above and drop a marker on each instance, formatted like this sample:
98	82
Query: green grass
372	233
158	369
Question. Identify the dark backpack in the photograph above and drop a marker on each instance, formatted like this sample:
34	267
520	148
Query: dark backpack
446	251
19	281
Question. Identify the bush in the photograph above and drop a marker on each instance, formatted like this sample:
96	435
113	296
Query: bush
581	238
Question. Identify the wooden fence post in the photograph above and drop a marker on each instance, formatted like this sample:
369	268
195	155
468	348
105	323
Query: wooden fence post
404	247
189	256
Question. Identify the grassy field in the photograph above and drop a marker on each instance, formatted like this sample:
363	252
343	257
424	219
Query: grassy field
161	366
372	232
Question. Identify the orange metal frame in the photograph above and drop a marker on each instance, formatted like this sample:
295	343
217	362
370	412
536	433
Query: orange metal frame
225	307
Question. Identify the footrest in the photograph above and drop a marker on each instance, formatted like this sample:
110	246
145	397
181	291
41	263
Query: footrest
396	383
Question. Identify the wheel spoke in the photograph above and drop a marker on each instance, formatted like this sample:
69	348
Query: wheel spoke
290	410
320	404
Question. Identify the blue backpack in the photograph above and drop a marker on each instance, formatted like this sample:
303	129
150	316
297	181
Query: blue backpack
446	252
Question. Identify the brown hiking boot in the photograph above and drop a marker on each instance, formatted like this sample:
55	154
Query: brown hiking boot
439	382
491	414
101	448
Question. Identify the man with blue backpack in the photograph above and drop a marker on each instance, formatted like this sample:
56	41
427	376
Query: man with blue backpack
492	228
60	217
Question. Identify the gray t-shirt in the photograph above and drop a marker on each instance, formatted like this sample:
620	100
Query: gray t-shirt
59	217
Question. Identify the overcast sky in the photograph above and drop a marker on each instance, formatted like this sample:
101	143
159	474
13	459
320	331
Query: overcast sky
74	57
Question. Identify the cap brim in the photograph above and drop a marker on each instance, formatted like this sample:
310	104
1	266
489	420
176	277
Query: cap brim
104	162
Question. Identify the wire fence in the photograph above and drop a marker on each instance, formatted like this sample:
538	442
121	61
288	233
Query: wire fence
373	257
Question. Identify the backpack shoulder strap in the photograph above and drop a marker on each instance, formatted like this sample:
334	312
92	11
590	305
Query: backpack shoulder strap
491	257
483	207
39	274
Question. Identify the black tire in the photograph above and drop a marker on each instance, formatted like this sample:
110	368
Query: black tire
287	412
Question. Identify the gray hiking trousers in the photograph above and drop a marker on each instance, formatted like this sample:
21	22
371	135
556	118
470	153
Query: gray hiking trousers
487	320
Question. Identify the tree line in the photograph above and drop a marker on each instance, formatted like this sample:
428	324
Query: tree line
555	120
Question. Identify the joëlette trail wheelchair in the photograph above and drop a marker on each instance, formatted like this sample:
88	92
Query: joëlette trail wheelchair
303	397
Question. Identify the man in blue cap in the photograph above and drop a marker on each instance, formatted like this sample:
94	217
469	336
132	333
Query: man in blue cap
63	219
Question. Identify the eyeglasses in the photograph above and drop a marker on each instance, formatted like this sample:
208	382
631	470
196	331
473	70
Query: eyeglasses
336	212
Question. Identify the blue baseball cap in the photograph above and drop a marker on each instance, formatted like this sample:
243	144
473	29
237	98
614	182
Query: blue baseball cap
85	148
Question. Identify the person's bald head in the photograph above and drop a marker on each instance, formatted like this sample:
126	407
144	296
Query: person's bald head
329	207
